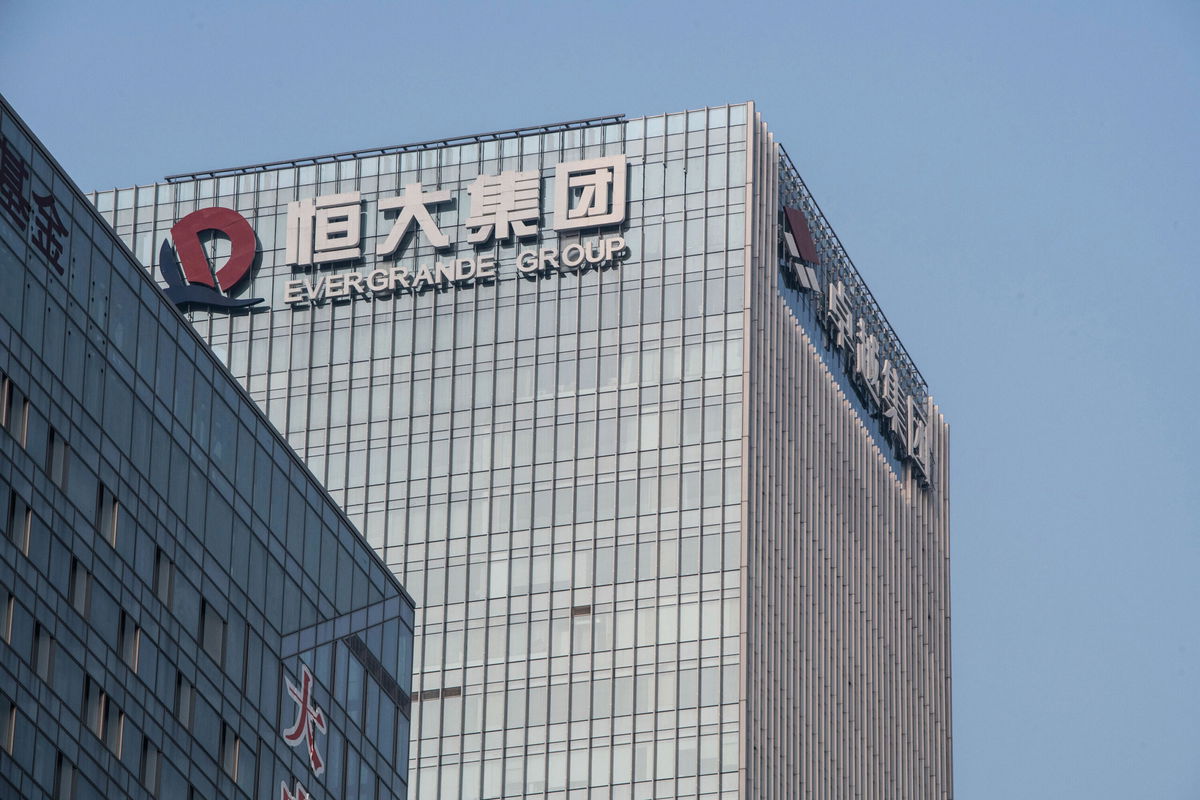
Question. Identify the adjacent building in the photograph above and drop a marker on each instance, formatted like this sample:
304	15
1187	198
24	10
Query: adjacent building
184	611
611	400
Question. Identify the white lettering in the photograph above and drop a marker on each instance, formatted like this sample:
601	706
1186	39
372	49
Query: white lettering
377	281
316	291
527	262
485	267
414	203
572	256
612	247
590	193
323	229
422	278
293	292
400	278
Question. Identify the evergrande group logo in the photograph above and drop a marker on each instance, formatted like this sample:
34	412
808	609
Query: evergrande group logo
191	279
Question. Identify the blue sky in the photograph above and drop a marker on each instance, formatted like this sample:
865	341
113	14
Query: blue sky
1016	181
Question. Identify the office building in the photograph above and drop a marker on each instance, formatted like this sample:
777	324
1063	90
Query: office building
611	400
184	611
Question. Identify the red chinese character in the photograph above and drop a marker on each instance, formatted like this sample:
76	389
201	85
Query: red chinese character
300	793
309	720
48	229
13	172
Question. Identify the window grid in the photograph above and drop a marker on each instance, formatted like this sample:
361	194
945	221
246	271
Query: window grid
486	397
129	636
81	586
108	513
14	410
20	521
144	407
520	451
57	458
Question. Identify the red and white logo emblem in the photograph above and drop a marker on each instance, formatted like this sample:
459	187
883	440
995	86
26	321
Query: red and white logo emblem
191	279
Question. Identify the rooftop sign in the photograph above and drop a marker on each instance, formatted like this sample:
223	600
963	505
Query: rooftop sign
328	229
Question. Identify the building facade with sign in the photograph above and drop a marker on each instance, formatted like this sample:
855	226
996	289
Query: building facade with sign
184	611
610	398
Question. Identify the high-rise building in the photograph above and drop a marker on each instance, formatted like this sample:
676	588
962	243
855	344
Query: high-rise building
612	401
184	611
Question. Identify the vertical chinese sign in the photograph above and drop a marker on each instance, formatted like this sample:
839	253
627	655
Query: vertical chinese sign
34	215
309	720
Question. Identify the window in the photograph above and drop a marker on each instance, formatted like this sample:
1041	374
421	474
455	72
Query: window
14	410
20	519
164	574
130	637
212	632
151	763
9	608
104	719
81	587
93	700
231	747
114	729
107	515
64	779
56	459
8	723
43	652
184	700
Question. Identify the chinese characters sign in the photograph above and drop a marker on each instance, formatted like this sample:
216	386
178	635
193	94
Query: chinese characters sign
310	720
903	419
590	193
504	205
324	229
33	214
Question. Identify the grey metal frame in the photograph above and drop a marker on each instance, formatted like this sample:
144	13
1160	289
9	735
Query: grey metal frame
490	136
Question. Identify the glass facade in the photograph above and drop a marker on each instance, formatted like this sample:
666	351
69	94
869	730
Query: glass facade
172	577
568	467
